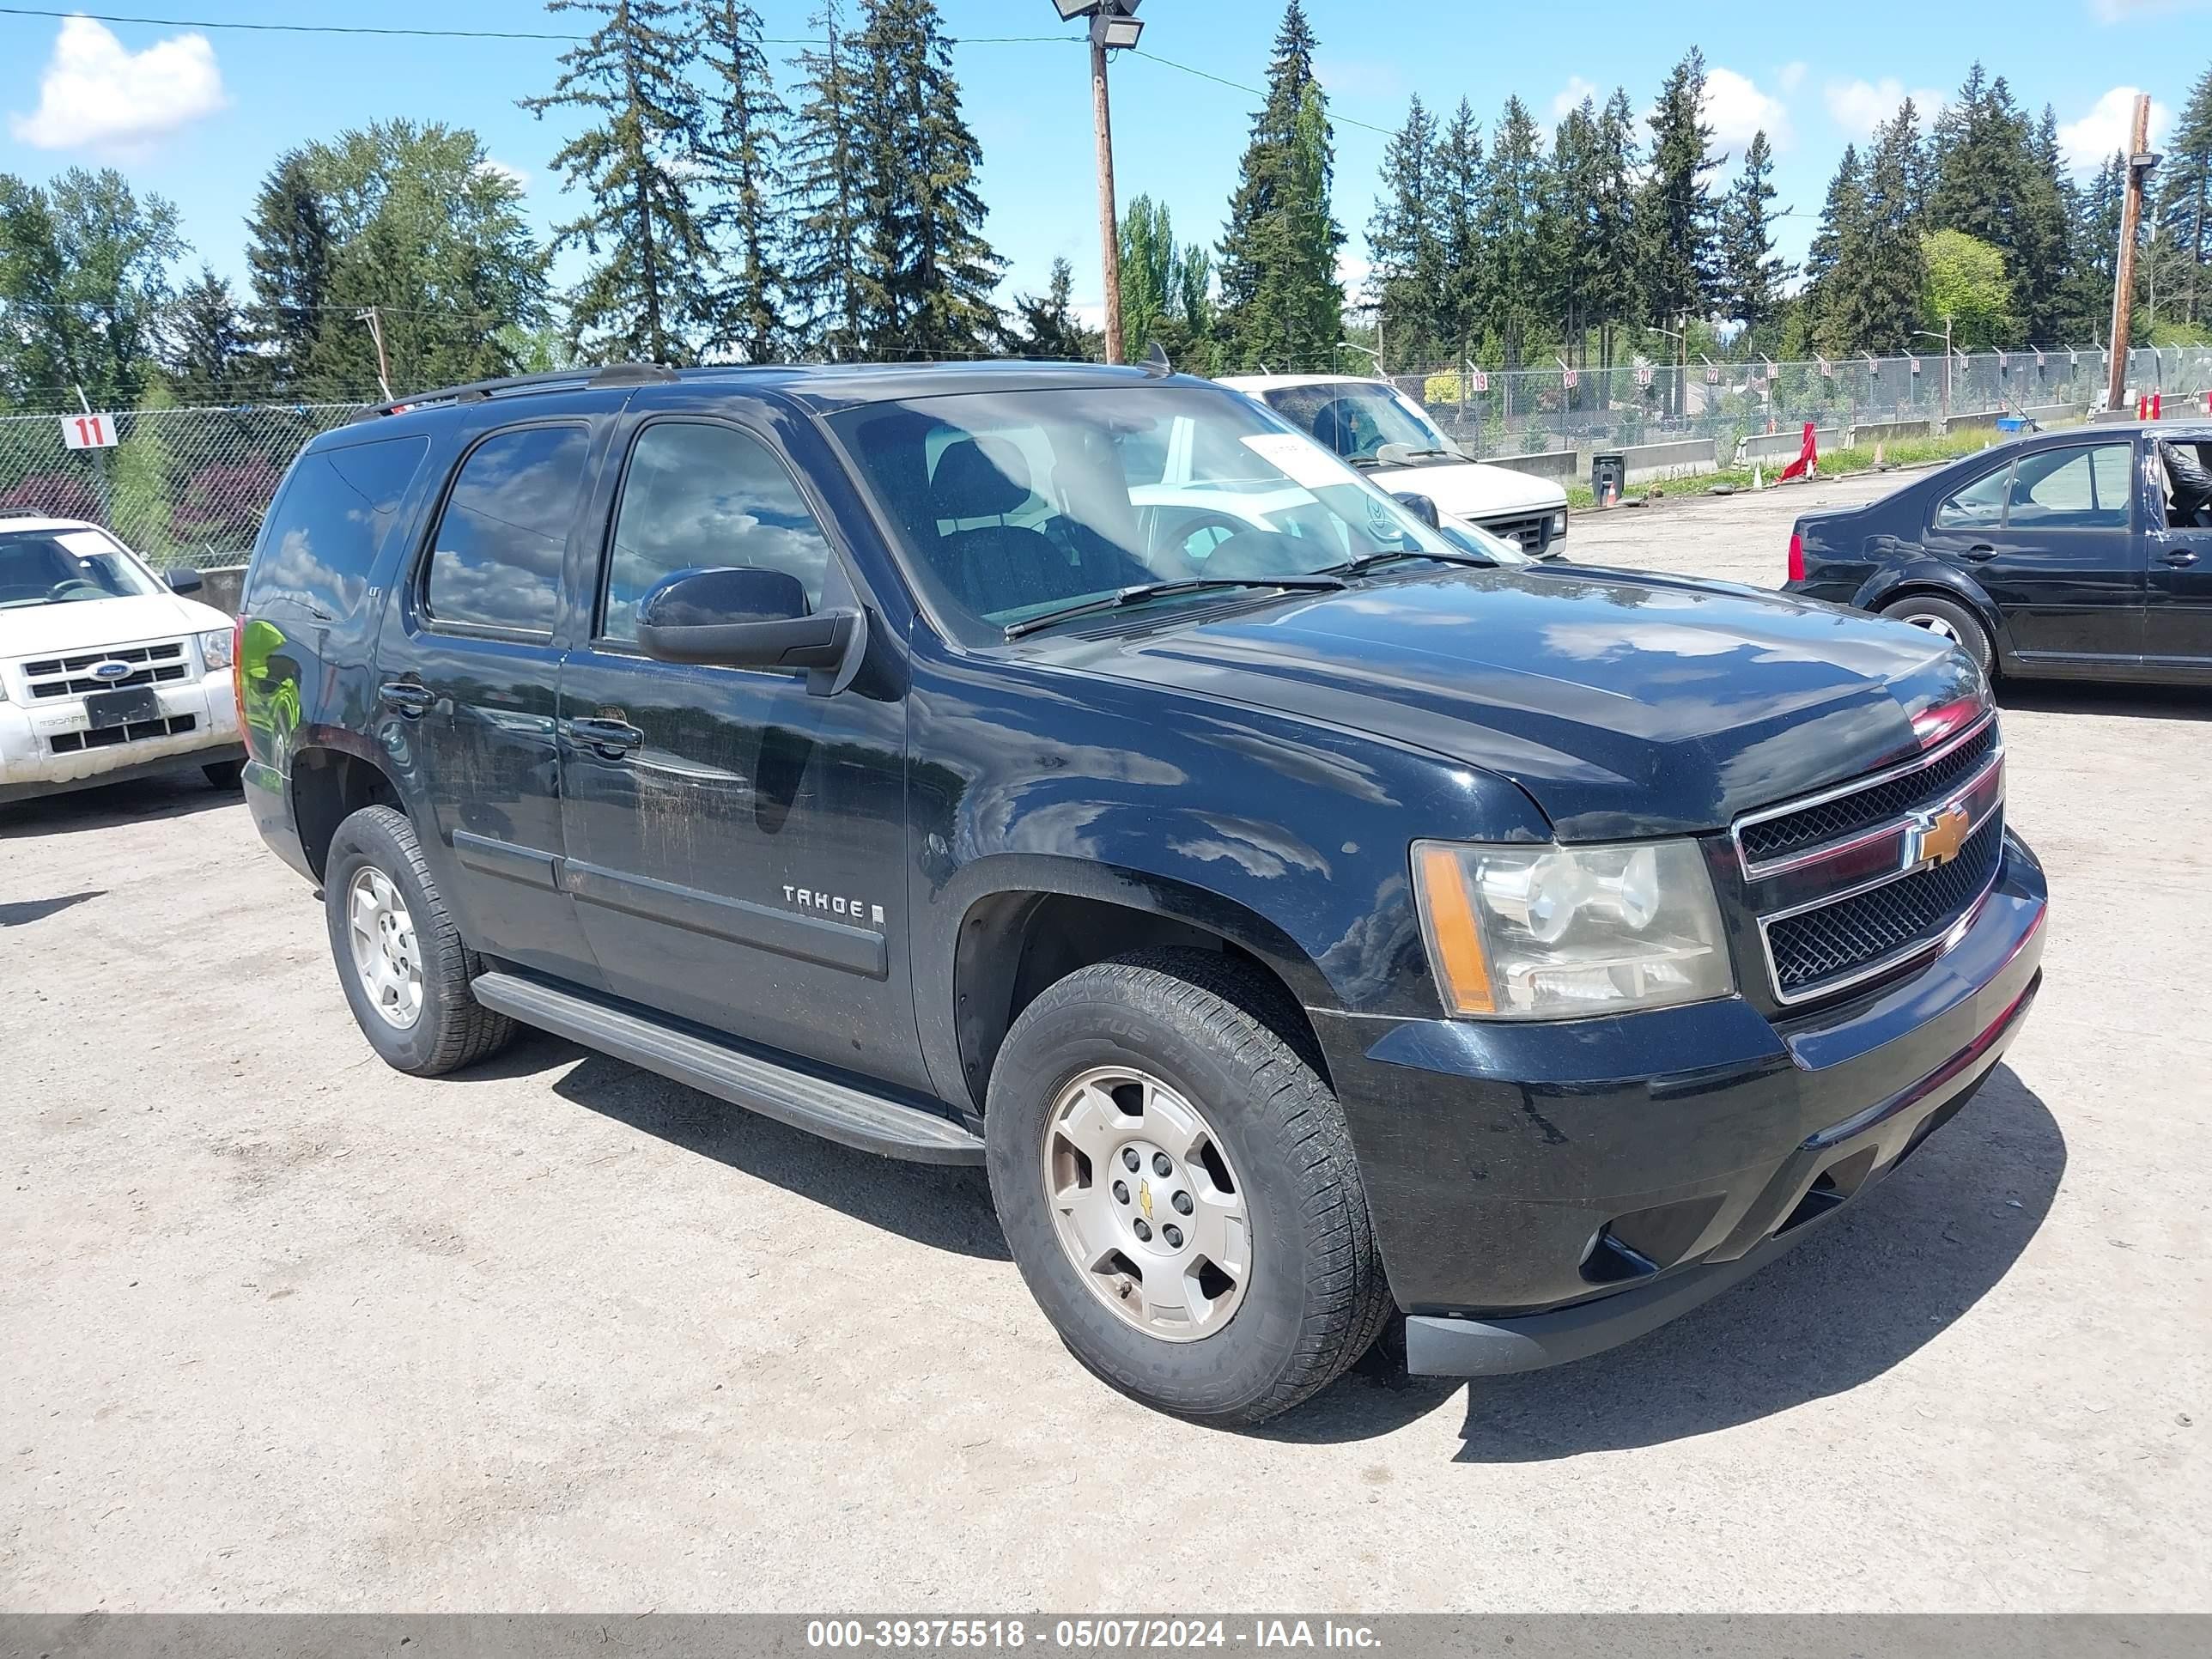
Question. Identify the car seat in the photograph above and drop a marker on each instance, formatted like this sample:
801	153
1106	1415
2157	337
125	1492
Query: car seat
2191	482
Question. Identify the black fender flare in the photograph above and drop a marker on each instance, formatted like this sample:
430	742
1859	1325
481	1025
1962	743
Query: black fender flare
1926	575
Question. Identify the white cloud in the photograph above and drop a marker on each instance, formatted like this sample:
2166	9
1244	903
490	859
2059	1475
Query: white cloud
1352	272
95	95
491	166
1735	108
1571	96
1791	76
1859	106
2129	11
2095	139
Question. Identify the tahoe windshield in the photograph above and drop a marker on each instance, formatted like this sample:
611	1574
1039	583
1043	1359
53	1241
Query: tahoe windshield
1356	418
55	567
1017	505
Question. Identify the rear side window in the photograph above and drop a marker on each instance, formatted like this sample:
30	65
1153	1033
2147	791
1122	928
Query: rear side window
322	535
496	558
1979	504
2085	489
701	497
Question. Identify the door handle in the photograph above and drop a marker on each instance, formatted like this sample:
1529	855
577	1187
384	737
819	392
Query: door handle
406	698
611	738
2181	557
1981	550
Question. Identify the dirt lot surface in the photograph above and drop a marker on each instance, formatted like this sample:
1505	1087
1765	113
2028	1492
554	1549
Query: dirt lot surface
284	1329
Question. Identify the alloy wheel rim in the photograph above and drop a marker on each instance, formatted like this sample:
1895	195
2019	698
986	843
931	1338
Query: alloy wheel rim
385	959
1146	1204
1935	625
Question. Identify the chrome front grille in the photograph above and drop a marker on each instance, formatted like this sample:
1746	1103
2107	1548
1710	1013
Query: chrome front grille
1868	878
159	664
1526	533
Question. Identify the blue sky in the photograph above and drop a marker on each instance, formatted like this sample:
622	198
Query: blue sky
197	114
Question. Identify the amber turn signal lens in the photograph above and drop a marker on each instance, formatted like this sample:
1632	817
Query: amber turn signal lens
1462	970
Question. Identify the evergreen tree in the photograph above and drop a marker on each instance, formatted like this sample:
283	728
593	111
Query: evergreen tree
1164	297
1677	240
289	254
210	359
1462	181
1508	228
1048	327
1752	276
1406	241
740	161
1280	301
1617	297
646	296
1886	291
823	208
2042	240
2095	239
926	273
2185	199
1978	149
1572	256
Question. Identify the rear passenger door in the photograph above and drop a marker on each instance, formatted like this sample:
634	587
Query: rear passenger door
468	669
2053	537
736	846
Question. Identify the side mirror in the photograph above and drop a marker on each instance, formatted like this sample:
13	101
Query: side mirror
1419	506
748	617
183	578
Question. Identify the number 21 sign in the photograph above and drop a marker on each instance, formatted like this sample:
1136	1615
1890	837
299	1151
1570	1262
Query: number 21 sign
88	431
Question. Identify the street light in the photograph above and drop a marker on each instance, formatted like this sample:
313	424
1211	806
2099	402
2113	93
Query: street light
1114	27
1355	346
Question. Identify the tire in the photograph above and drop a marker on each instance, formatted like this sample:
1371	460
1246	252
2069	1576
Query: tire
1309	1297
373	852
1949	619
224	774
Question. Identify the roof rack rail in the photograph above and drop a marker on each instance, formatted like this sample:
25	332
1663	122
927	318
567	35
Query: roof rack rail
614	374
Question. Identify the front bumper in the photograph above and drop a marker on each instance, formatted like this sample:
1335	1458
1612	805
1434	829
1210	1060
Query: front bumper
1545	1192
33	763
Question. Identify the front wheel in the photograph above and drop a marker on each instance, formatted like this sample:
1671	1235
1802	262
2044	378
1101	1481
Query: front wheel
1947	619
1178	1189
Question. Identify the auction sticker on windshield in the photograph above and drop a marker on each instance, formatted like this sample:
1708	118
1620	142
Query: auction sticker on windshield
1299	460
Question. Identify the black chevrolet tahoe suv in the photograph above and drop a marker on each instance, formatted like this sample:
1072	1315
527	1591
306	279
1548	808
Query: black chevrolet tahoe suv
1076	771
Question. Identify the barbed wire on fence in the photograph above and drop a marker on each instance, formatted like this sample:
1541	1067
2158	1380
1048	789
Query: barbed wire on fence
190	486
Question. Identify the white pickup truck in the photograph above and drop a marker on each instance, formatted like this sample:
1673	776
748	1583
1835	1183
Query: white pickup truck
107	672
1388	436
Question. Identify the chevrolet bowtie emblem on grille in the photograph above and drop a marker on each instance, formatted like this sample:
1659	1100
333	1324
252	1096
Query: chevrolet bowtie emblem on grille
1935	837
1144	1198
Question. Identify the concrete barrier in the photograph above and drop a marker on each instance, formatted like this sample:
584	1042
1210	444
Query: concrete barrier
223	583
1560	463
1866	433
1683	459
1983	420
1784	446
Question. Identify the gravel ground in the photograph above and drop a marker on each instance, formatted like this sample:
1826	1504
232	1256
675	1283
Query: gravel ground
285	1329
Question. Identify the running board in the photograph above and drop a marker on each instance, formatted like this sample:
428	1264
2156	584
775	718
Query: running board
873	1122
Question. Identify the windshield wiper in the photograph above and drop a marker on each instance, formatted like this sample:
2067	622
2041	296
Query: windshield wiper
1367	562
1143	591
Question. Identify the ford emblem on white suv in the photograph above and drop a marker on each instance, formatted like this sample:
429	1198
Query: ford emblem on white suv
110	670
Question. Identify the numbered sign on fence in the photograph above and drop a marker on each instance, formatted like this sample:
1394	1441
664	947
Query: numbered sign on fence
2039	360
1642	375
1712	373
1575	378
88	431
1827	369
1481	380
1914	361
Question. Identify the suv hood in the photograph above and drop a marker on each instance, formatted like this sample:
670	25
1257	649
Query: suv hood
79	625
1471	488
1624	706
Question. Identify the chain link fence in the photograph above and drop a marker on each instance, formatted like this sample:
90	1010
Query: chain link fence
1533	411
189	486
181	486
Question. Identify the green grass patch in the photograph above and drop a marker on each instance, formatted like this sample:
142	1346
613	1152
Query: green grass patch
1834	464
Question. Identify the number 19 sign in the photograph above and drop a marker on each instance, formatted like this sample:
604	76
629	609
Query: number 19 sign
88	431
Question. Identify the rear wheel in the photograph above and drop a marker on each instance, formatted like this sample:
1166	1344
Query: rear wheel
402	963
1947	619
1178	1189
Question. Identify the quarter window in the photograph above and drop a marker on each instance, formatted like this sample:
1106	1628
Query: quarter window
2076	489
1981	503
702	497
496	559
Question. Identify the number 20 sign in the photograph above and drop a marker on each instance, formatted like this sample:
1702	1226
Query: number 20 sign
88	431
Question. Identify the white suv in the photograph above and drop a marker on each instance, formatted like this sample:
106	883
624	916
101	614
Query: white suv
1388	436
106	672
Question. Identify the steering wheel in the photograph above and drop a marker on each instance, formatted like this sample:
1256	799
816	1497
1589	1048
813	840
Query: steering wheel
1190	542
1260	553
61	591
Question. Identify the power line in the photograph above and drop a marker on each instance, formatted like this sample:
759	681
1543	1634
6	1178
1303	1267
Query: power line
1335	119
459	35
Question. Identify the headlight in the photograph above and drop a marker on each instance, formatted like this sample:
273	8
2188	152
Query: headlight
1559	524
1549	933
214	648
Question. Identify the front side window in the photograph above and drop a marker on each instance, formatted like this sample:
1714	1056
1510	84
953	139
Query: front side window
2076	488
496	559
1012	504
1356	418
57	567
1979	505
704	497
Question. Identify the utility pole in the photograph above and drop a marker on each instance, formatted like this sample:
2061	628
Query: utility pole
367	315
1110	224
2140	163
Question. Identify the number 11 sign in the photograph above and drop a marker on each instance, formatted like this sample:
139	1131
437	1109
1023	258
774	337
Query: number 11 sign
88	431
